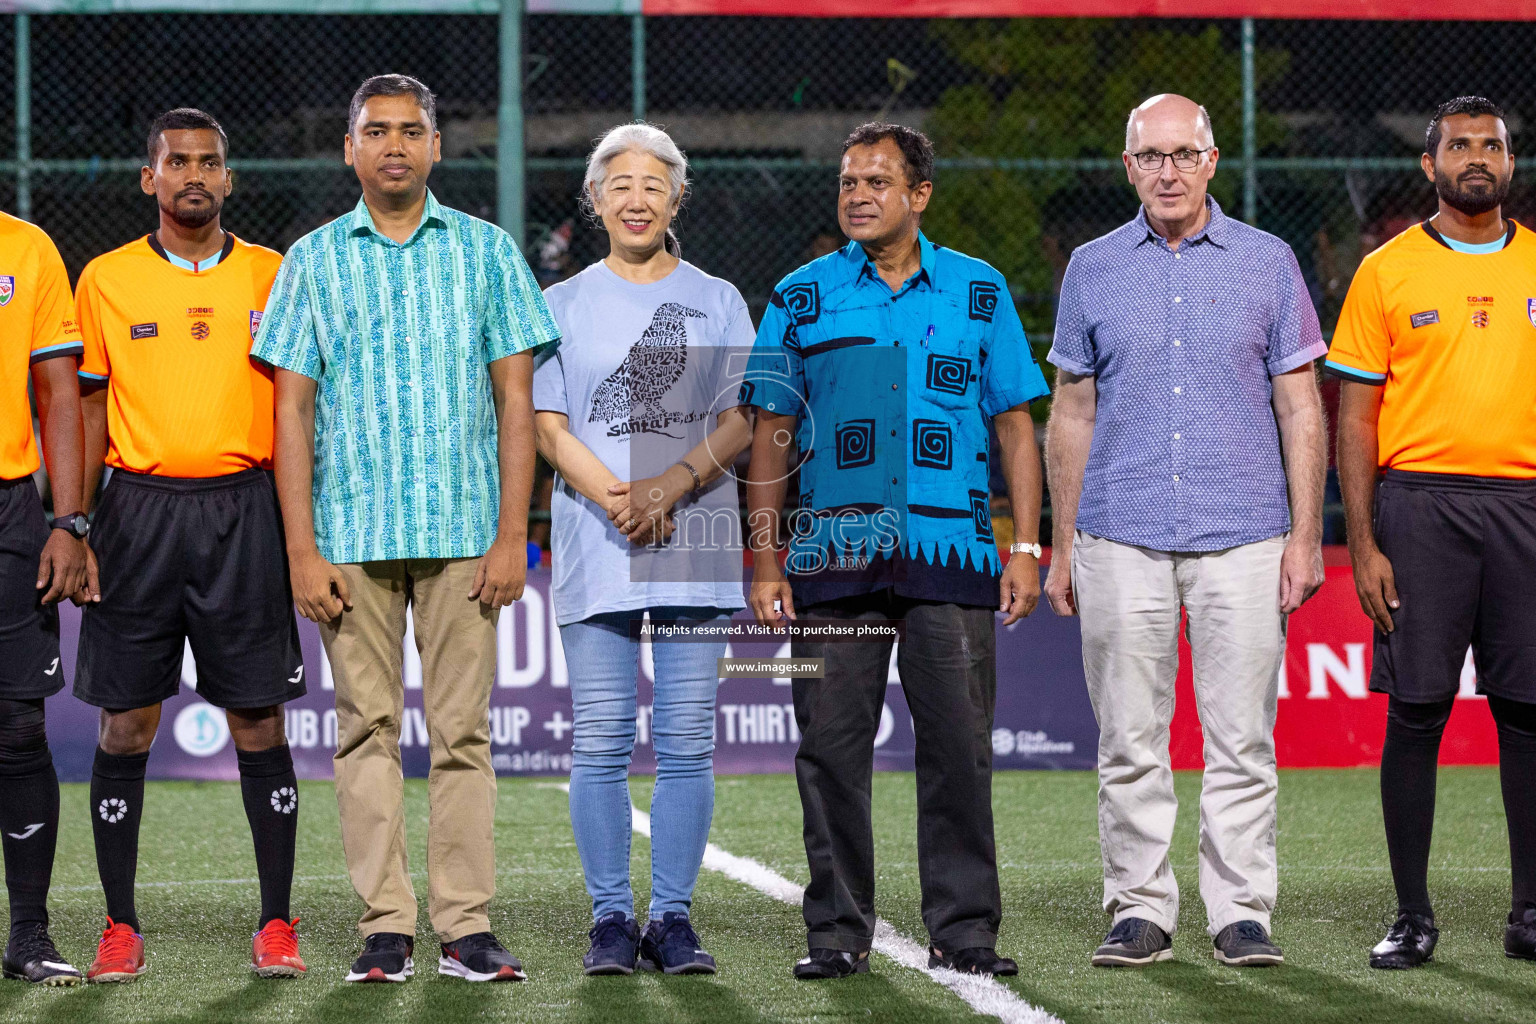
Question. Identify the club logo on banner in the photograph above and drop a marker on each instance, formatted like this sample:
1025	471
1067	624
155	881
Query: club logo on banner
201	730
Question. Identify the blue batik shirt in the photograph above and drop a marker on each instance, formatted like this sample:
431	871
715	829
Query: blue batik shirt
893	392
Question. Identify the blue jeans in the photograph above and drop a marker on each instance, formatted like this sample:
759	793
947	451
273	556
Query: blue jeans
603	663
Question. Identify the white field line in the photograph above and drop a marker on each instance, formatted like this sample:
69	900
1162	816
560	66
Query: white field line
981	992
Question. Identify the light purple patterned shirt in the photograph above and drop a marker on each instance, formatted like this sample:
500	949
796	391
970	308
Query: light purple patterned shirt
1182	345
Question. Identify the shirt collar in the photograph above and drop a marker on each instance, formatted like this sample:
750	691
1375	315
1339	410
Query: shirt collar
859	260
1215	231
362	221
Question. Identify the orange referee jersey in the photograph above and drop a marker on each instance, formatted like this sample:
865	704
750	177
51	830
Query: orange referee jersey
37	322
172	346
1451	338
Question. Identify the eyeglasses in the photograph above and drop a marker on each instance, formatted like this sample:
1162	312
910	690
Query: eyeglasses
1184	159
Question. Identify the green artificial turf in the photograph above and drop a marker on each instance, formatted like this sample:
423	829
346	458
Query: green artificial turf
198	905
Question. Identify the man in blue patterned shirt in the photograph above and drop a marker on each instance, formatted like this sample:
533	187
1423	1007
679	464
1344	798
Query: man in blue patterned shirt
885	362
401	333
1186	455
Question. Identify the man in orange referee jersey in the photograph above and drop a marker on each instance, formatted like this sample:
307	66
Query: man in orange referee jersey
38	335
187	535
1437	348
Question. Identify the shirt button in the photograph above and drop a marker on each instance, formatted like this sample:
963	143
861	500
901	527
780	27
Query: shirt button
893	433
1177	343
894	480
1178	298
1178	391
1178	256
895	387
1175	437
1175	478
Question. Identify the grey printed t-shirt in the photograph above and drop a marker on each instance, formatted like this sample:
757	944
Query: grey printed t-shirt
641	372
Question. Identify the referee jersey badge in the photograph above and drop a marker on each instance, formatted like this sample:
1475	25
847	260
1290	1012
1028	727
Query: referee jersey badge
256	322
7	289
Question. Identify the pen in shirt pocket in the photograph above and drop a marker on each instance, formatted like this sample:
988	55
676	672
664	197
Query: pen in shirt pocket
927	337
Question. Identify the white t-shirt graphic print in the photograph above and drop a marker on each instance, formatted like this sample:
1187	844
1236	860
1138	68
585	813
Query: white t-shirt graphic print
641	373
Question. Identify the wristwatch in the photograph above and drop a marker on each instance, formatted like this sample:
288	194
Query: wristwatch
1020	548
77	525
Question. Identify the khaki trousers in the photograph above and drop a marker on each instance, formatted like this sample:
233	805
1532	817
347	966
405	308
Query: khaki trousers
456	636
1129	599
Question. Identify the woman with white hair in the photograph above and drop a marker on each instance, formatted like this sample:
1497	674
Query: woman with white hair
636	411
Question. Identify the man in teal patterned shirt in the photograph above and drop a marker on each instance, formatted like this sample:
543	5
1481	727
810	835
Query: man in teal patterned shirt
401	334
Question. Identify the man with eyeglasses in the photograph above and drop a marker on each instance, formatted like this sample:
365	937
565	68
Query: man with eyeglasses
1186	459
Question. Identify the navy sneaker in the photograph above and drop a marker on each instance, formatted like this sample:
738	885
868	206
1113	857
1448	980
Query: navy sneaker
1133	942
1247	944
479	957
386	957
615	945
672	946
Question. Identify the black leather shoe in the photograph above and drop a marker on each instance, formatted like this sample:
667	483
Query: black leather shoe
974	960
831	963
1520	936
1410	942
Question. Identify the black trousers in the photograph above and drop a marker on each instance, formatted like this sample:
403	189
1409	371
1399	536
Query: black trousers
948	666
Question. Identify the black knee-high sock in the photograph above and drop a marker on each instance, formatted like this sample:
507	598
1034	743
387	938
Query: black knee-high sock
29	810
117	801
271	794
1517	767
1409	759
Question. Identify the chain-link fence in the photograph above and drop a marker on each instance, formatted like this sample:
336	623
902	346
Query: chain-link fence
1320	124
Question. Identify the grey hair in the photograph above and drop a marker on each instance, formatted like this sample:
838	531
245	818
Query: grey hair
1202	127
641	138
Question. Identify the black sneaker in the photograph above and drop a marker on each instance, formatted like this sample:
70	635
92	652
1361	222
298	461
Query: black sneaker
615	945
974	960
386	957
1410	942
31	956
1133	942
1519	937
1246	944
831	963
671	945
479	957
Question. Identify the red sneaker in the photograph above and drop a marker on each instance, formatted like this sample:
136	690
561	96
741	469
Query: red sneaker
275	951
119	957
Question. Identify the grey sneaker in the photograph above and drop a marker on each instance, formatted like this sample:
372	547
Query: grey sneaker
1133	942
1247	944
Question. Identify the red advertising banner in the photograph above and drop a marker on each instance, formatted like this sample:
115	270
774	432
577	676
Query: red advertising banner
1328	718
1364	10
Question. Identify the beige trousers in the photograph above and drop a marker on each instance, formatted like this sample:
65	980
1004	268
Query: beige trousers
1129	599
456	636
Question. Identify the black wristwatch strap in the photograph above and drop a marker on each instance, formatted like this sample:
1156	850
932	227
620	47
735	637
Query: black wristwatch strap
76	525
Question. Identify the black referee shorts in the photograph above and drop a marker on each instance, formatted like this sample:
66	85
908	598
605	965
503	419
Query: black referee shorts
190	559
1463	551
29	629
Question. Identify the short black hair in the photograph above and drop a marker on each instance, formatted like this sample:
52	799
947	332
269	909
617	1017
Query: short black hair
182	119
915	148
393	85
1472	106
